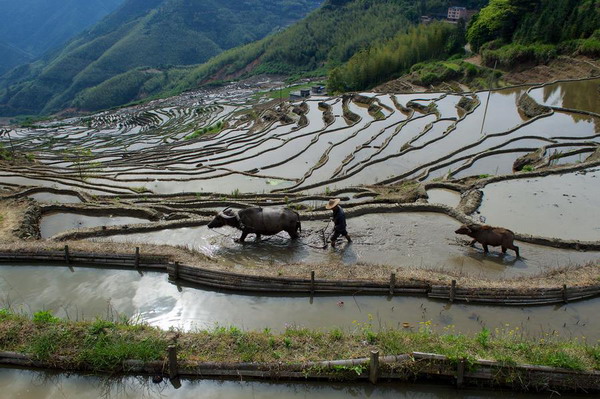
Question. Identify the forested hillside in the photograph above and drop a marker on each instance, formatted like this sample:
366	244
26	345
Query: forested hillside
144	33
508	33
29	28
154	47
382	62
328	37
513	32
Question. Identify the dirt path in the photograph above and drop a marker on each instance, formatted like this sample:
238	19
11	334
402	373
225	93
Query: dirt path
11	213
558	69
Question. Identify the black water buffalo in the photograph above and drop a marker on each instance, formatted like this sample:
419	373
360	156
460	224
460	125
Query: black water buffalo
488	235
257	220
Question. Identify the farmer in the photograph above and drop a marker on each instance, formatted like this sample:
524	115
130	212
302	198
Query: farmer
339	219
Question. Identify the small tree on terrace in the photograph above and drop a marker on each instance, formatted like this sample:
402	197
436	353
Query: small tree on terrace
81	158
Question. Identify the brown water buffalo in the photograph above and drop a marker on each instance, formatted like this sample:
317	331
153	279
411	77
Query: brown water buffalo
488	235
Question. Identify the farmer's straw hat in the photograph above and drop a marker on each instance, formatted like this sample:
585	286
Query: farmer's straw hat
332	203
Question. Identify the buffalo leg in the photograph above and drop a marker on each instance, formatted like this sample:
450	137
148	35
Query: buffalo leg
503	249
293	234
243	237
485	248
258	237
472	243
516	249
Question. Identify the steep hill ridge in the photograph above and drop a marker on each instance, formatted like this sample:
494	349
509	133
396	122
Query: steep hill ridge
143	33
327	37
29	28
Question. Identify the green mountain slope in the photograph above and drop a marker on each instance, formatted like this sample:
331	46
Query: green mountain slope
510	33
327	37
144	33
29	28
11	56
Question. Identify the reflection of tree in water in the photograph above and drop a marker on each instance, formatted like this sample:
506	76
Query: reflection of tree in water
122	387
582	95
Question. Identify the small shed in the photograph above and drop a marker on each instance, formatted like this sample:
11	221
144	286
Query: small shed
299	95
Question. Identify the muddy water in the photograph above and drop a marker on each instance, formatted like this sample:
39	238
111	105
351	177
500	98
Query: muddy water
406	240
564	206
58	198
226	184
57	223
581	95
443	196
86	293
41	385
493	165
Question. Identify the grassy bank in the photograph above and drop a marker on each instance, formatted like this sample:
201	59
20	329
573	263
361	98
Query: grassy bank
103	345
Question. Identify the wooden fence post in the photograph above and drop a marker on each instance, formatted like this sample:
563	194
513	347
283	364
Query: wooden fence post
137	257
312	283
173	366
460	373
374	367
452	290
392	283
176	271
67	257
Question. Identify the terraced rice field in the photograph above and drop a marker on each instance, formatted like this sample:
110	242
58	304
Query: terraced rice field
156	173
322	143
181	159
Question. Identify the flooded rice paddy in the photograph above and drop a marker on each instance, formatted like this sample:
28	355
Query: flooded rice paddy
405	240
297	155
316	146
40	385
51	225
443	196
83	293
564	206
581	95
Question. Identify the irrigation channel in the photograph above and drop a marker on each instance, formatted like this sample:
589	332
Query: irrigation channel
151	298
409	168
37	385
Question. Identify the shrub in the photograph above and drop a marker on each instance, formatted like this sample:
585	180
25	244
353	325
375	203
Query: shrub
527	168
45	316
336	334
514	54
483	337
4	313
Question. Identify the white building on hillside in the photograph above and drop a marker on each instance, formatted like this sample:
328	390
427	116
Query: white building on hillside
456	13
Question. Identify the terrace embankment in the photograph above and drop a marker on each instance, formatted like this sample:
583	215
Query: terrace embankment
104	346
282	269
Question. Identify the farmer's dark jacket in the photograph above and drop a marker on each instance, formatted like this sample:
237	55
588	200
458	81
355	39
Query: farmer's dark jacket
339	219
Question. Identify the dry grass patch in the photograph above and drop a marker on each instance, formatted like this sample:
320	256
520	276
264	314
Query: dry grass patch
11	214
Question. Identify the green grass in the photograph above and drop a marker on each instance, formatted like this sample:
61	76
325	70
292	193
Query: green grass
528	168
5	154
102	345
44	316
513	55
213	129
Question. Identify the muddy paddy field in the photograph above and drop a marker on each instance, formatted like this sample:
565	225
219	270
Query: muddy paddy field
409	169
